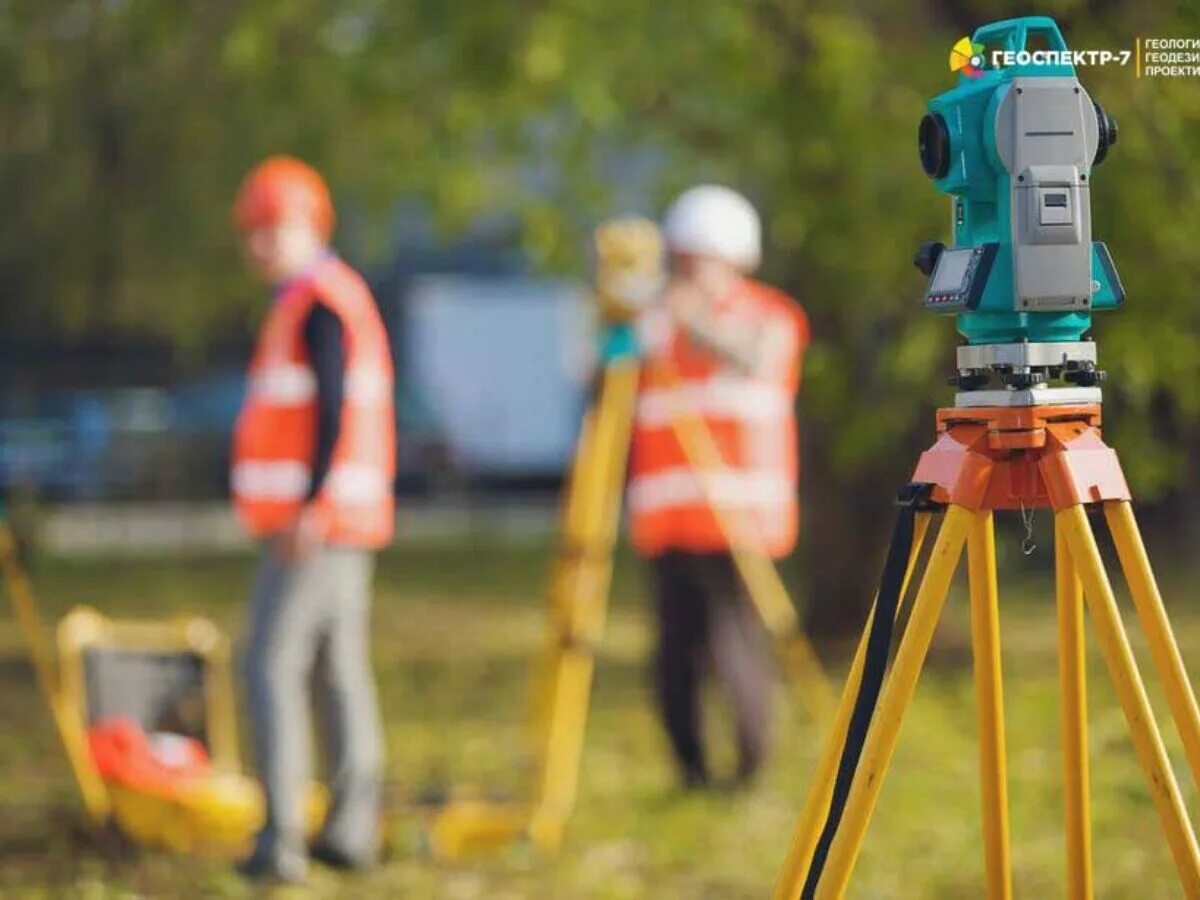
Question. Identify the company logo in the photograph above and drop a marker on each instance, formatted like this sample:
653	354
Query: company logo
967	58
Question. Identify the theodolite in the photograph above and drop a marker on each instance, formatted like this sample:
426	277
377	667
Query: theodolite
1015	149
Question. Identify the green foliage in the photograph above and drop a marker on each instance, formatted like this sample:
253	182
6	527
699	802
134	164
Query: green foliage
129	123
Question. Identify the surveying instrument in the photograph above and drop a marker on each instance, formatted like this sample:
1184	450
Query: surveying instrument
1015	149
628	257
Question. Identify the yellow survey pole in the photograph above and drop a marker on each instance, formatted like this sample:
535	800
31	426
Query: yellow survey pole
583	600
29	620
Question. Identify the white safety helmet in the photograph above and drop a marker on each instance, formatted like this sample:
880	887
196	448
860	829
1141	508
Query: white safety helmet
710	220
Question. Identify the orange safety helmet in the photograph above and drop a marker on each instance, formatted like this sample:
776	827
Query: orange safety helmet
280	186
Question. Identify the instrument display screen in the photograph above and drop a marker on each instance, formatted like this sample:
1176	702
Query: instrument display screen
959	278
951	273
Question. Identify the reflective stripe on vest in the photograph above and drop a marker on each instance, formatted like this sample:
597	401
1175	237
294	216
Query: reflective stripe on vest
270	480
275	437
367	385
730	489
295	384
752	424
719	397
289	480
284	384
356	484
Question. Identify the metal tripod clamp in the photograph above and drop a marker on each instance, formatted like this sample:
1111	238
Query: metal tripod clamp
918	495
619	341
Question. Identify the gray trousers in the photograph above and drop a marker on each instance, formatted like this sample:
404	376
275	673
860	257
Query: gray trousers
309	625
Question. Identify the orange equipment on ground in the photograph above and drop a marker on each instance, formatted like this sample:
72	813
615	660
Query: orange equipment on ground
161	763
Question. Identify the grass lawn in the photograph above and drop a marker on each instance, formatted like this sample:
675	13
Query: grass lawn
455	629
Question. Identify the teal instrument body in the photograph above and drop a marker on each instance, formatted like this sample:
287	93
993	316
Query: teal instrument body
1022	265
619	341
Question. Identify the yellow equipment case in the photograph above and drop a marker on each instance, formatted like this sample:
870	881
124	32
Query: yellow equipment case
166	676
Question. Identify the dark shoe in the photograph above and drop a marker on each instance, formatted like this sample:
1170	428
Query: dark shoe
264	868
735	784
337	858
748	770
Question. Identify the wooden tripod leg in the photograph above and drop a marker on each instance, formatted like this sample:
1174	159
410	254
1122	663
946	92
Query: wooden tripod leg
989	695
562	572
1147	740
1153	616
897	693
816	805
1072	677
580	595
41	652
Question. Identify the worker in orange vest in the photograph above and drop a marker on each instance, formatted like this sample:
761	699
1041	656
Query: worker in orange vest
728	349
312	472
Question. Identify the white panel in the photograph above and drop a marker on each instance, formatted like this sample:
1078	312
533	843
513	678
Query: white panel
499	362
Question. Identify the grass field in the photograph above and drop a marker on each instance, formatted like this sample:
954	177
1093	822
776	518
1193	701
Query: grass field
455	631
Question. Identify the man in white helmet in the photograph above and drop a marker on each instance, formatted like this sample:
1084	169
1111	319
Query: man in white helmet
728	349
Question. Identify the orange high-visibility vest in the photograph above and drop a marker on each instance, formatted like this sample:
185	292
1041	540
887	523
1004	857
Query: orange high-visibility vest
276	432
752	422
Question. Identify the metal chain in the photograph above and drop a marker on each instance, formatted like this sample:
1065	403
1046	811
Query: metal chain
1027	543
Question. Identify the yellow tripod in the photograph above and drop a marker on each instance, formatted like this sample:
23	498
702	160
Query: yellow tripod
580	579
41	653
1006	458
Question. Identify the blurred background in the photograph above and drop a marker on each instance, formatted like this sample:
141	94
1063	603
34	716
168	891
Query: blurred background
471	148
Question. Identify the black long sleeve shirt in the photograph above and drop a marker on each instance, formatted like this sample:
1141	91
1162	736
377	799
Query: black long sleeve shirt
324	339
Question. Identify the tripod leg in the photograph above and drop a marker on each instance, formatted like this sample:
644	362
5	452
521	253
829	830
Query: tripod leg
1153	616
989	693
897	692
816	804
580	594
41	652
562	572
1132	693
1072	676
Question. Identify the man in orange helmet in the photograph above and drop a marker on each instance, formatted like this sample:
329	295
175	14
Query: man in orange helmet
312	472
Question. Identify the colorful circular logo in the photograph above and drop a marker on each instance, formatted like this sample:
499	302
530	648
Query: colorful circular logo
967	58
